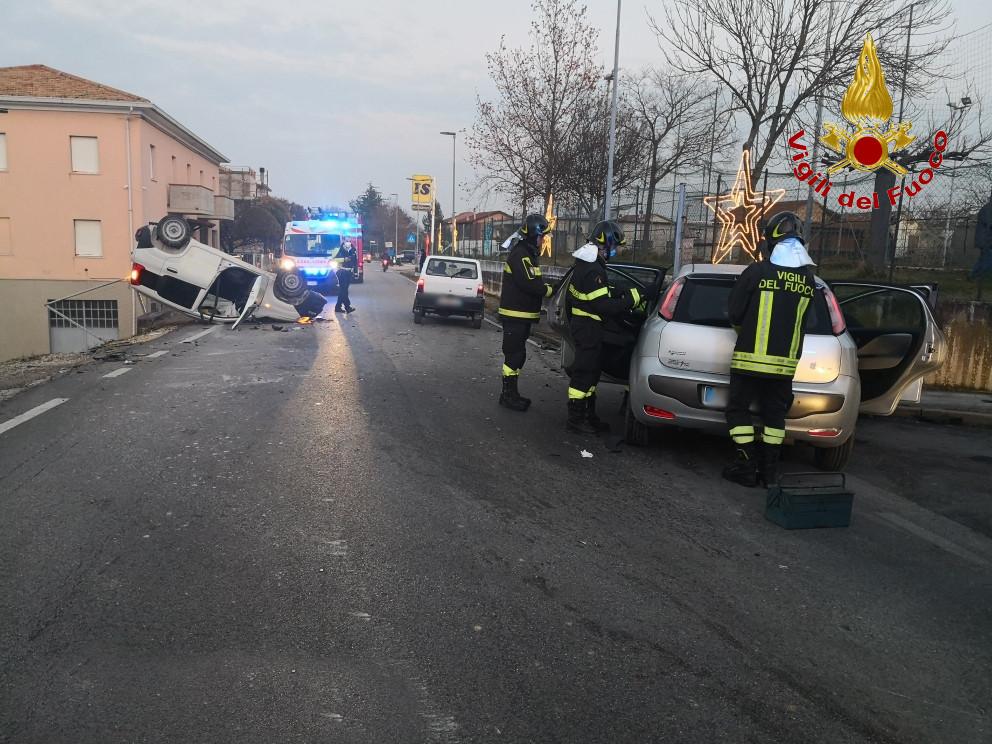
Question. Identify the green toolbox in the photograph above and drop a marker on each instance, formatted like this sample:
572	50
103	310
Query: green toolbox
802	500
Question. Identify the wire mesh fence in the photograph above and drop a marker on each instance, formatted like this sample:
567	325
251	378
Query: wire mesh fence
933	209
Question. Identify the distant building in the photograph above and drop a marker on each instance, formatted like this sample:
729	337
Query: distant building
82	166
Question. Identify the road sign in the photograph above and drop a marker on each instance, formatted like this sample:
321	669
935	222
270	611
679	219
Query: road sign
411	238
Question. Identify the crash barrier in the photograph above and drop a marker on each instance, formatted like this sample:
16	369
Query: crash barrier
492	275
967	325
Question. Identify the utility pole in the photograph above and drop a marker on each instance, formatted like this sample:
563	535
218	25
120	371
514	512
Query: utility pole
613	119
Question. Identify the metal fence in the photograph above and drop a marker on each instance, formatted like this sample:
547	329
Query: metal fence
934	229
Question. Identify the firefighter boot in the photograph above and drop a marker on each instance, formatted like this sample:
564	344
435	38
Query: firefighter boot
769	464
744	468
577	422
597	423
510	398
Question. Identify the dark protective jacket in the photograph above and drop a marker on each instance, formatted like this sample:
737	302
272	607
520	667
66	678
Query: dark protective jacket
768	305
349	259
589	293
523	286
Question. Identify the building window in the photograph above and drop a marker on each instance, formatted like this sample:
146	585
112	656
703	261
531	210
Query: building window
85	155
174	171
189	173
151	162
89	238
87	313
3	151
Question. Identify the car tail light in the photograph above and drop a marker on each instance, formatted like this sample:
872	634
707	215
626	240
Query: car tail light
136	270
828	433
667	309
658	412
480	291
837	323
420	285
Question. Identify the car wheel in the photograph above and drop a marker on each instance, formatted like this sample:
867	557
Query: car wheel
174	231
418	316
477	320
834	458
289	286
635	433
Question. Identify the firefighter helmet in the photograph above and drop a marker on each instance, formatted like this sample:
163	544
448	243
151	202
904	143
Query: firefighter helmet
783	225
607	234
535	226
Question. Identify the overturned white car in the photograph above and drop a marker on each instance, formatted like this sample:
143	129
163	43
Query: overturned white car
194	278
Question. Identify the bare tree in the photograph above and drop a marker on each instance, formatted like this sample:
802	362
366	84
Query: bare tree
586	171
681	125
774	58
525	142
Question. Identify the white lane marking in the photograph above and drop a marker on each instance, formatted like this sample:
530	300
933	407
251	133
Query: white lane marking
118	372
195	336
932	538
157	354
31	414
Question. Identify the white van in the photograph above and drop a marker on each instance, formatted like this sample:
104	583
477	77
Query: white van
450	286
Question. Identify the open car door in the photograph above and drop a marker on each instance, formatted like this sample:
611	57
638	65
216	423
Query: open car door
898	340
619	334
254	301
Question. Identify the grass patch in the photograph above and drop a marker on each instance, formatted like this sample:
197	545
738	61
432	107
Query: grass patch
954	284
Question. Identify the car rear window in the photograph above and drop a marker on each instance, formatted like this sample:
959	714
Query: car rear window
452	268
704	302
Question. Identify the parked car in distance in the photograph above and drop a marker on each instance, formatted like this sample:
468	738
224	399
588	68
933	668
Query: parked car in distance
171	267
409	256
450	286
867	346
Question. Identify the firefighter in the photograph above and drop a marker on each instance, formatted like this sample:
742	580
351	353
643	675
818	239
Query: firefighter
520	297
589	303
767	307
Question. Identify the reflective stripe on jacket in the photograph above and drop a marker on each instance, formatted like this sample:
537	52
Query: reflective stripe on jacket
523	287
589	293
769	303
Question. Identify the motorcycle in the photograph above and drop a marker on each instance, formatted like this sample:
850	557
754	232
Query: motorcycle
385	264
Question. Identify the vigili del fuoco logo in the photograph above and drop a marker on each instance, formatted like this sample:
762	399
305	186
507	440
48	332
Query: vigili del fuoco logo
867	106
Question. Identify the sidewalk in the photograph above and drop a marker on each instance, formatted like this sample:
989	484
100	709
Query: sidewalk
947	407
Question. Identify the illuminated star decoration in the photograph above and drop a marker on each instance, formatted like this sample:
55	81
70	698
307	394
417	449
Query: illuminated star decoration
742	230
546	240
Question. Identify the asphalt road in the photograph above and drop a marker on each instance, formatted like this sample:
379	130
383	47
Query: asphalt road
334	534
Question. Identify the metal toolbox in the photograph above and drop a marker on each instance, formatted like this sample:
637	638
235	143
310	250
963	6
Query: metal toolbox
804	500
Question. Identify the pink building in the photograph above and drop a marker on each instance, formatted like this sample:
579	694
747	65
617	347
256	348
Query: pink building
82	166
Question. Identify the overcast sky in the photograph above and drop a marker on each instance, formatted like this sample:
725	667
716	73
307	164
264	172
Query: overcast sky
327	95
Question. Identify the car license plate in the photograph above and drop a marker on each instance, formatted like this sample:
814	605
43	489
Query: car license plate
449	301
713	397
311	284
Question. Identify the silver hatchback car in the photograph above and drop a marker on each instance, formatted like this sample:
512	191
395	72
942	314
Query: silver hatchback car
867	347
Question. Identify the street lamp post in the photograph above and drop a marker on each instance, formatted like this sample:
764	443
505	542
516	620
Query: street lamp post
454	222
396	218
613	119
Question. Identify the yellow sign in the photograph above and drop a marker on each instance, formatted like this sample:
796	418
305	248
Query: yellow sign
741	230
867	106
423	193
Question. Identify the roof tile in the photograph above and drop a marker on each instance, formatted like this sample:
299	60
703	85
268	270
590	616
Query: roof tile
39	81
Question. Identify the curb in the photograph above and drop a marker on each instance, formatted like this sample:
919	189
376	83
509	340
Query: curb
944	416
